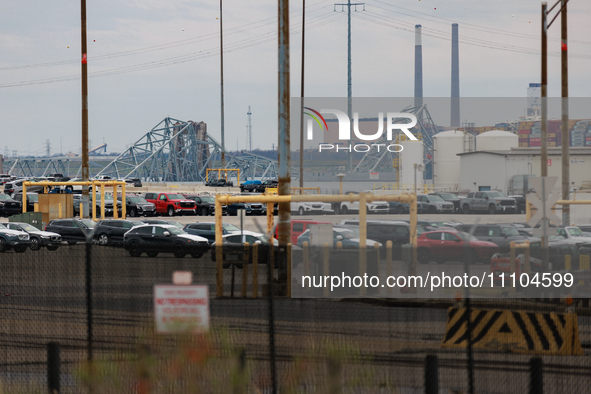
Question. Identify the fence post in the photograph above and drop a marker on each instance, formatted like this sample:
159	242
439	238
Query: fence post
431	375
53	367
245	269
388	263
288	292
255	271
326	266
536	377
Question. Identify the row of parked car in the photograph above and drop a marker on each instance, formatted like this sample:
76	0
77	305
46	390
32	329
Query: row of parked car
451	241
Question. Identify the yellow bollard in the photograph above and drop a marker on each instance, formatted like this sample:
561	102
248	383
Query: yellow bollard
255	271
219	252
245	269
115	213
81	209
326	264
36	207
584	265
102	201
123	202
306	258
567	263
60	211
339	245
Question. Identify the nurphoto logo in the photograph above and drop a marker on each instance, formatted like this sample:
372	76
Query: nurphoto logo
345	130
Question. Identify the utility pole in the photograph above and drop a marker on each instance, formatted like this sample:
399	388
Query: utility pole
564	95
249	131
85	168
302	98
349	89
48	148
565	129
222	86
544	142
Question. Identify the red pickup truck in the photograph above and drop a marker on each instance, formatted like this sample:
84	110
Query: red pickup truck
171	204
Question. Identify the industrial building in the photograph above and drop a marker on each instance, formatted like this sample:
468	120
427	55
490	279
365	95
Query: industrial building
500	169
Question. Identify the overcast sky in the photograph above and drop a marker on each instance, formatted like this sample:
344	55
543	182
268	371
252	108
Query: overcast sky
148	59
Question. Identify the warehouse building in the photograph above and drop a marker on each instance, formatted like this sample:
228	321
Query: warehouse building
498	169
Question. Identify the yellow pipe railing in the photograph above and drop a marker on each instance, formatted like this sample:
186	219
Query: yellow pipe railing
93	185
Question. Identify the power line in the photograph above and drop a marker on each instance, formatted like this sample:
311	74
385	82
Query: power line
242	44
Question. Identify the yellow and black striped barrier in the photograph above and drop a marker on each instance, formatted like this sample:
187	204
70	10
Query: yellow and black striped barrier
546	333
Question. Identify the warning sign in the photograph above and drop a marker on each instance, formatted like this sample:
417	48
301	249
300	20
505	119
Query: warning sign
179	309
515	331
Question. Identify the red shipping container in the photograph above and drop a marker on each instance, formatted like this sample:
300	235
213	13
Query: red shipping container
523	139
535	143
535	140
587	138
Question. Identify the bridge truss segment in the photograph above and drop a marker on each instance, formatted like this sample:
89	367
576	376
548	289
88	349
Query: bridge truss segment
173	151
383	160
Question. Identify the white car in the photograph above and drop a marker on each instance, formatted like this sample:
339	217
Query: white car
311	208
376	207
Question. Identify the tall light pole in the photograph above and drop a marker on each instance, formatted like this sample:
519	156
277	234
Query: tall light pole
565	131
85	167
349	87
302	98
222	86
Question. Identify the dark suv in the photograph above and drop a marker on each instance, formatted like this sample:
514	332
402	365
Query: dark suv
435	204
500	234
72	230
205	205
207	230
108	232
9	206
32	198
449	197
268	183
154	239
138	206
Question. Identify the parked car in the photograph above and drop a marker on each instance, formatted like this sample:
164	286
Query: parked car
250	186
383	231
171	203
573	233
435	204
311	208
16	186
347	235
72	230
207	230
154	239
442	246
109	205
233	248
163	222
266	184
32	199
234	208
109	232
9	206
255	208
13	239
375	207
298	226
398	207
37	238
449	197
137	206
205	205
489	201
219	182
521	202
500	234
135	182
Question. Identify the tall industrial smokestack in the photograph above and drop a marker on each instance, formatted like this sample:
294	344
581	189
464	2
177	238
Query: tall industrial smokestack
418	67
455	78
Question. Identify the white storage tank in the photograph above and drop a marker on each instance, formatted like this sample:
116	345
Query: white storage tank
446	167
496	140
411	154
